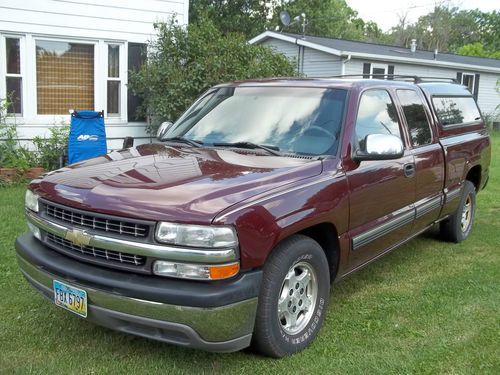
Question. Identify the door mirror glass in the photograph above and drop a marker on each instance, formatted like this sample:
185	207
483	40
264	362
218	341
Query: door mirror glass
163	129
380	147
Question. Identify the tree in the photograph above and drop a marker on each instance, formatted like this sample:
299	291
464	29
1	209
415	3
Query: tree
329	18
449	29
248	17
477	49
184	62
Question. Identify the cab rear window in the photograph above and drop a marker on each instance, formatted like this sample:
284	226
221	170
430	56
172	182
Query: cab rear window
456	110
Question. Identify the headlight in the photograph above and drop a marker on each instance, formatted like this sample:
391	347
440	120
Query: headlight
196	235
31	200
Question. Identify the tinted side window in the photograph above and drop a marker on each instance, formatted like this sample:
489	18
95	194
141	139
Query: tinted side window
376	115
413	109
454	110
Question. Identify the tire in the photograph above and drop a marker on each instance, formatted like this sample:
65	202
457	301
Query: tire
459	225
285	323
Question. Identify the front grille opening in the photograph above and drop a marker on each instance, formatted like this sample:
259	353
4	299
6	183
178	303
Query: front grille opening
108	255
121	227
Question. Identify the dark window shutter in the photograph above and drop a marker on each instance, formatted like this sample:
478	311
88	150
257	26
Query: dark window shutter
390	71
459	77
476	86
366	70
136	57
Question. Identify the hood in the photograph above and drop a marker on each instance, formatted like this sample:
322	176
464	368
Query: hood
159	182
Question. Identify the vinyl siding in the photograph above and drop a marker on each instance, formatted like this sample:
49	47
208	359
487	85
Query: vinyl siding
290	50
128	20
321	64
316	63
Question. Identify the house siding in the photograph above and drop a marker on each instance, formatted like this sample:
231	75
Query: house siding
320	64
127	20
315	63
93	21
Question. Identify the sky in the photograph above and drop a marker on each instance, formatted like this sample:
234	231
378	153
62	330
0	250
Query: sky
386	13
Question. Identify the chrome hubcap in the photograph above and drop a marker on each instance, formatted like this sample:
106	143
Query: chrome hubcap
466	214
297	298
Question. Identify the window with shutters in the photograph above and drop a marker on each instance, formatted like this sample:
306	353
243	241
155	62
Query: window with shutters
377	71
471	81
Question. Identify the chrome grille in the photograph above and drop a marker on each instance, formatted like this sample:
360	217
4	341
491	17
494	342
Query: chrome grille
95	222
109	255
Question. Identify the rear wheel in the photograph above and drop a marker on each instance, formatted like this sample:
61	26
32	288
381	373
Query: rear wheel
293	298
458	226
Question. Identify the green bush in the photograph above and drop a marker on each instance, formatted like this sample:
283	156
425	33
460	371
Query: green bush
50	150
12	154
184	62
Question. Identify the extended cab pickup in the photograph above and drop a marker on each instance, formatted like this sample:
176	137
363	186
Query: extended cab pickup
229	232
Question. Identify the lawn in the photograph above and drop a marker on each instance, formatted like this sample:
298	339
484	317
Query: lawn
429	308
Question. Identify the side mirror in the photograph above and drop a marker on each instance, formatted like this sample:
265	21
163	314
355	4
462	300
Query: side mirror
163	129
380	147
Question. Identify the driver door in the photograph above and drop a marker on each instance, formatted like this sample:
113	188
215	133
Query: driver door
382	192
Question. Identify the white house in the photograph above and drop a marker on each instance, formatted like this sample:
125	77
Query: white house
323	57
57	55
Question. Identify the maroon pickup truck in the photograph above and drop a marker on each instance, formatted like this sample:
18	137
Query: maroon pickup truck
229	232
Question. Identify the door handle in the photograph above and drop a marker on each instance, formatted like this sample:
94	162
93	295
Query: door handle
409	170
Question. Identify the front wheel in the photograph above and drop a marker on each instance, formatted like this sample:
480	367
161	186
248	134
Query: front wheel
293	298
458	226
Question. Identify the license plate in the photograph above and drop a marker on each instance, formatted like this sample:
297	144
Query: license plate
70	298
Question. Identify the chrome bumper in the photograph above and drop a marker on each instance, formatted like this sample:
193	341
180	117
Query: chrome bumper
221	329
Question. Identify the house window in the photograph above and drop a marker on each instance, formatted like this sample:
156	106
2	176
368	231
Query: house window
378	71
64	76
113	80
468	80
13	77
471	81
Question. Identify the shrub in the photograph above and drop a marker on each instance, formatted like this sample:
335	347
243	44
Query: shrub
51	149
184	62
12	154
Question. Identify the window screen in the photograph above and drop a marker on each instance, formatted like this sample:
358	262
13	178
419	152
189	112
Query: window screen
376	115
454	110
416	118
64	76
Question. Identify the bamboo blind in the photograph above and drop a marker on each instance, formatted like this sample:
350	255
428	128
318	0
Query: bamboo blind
65	77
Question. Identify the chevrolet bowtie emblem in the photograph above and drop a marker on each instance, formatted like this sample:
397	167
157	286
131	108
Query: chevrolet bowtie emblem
78	237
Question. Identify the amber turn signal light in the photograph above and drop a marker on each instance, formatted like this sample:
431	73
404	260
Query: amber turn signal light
224	271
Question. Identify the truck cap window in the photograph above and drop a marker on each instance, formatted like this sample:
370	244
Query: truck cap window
416	118
376	115
456	110
290	119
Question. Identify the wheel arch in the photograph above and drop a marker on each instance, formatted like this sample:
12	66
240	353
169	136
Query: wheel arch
326	235
474	176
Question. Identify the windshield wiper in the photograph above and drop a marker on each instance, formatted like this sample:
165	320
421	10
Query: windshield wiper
273	150
190	142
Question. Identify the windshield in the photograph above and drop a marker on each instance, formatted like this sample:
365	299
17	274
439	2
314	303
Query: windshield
289	119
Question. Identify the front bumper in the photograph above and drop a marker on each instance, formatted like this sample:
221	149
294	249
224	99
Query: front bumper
217	316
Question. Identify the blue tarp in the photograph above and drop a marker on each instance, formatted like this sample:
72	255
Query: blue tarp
87	136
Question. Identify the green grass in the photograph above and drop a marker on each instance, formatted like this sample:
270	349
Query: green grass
429	307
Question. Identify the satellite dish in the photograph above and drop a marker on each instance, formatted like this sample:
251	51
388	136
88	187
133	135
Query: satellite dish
285	18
